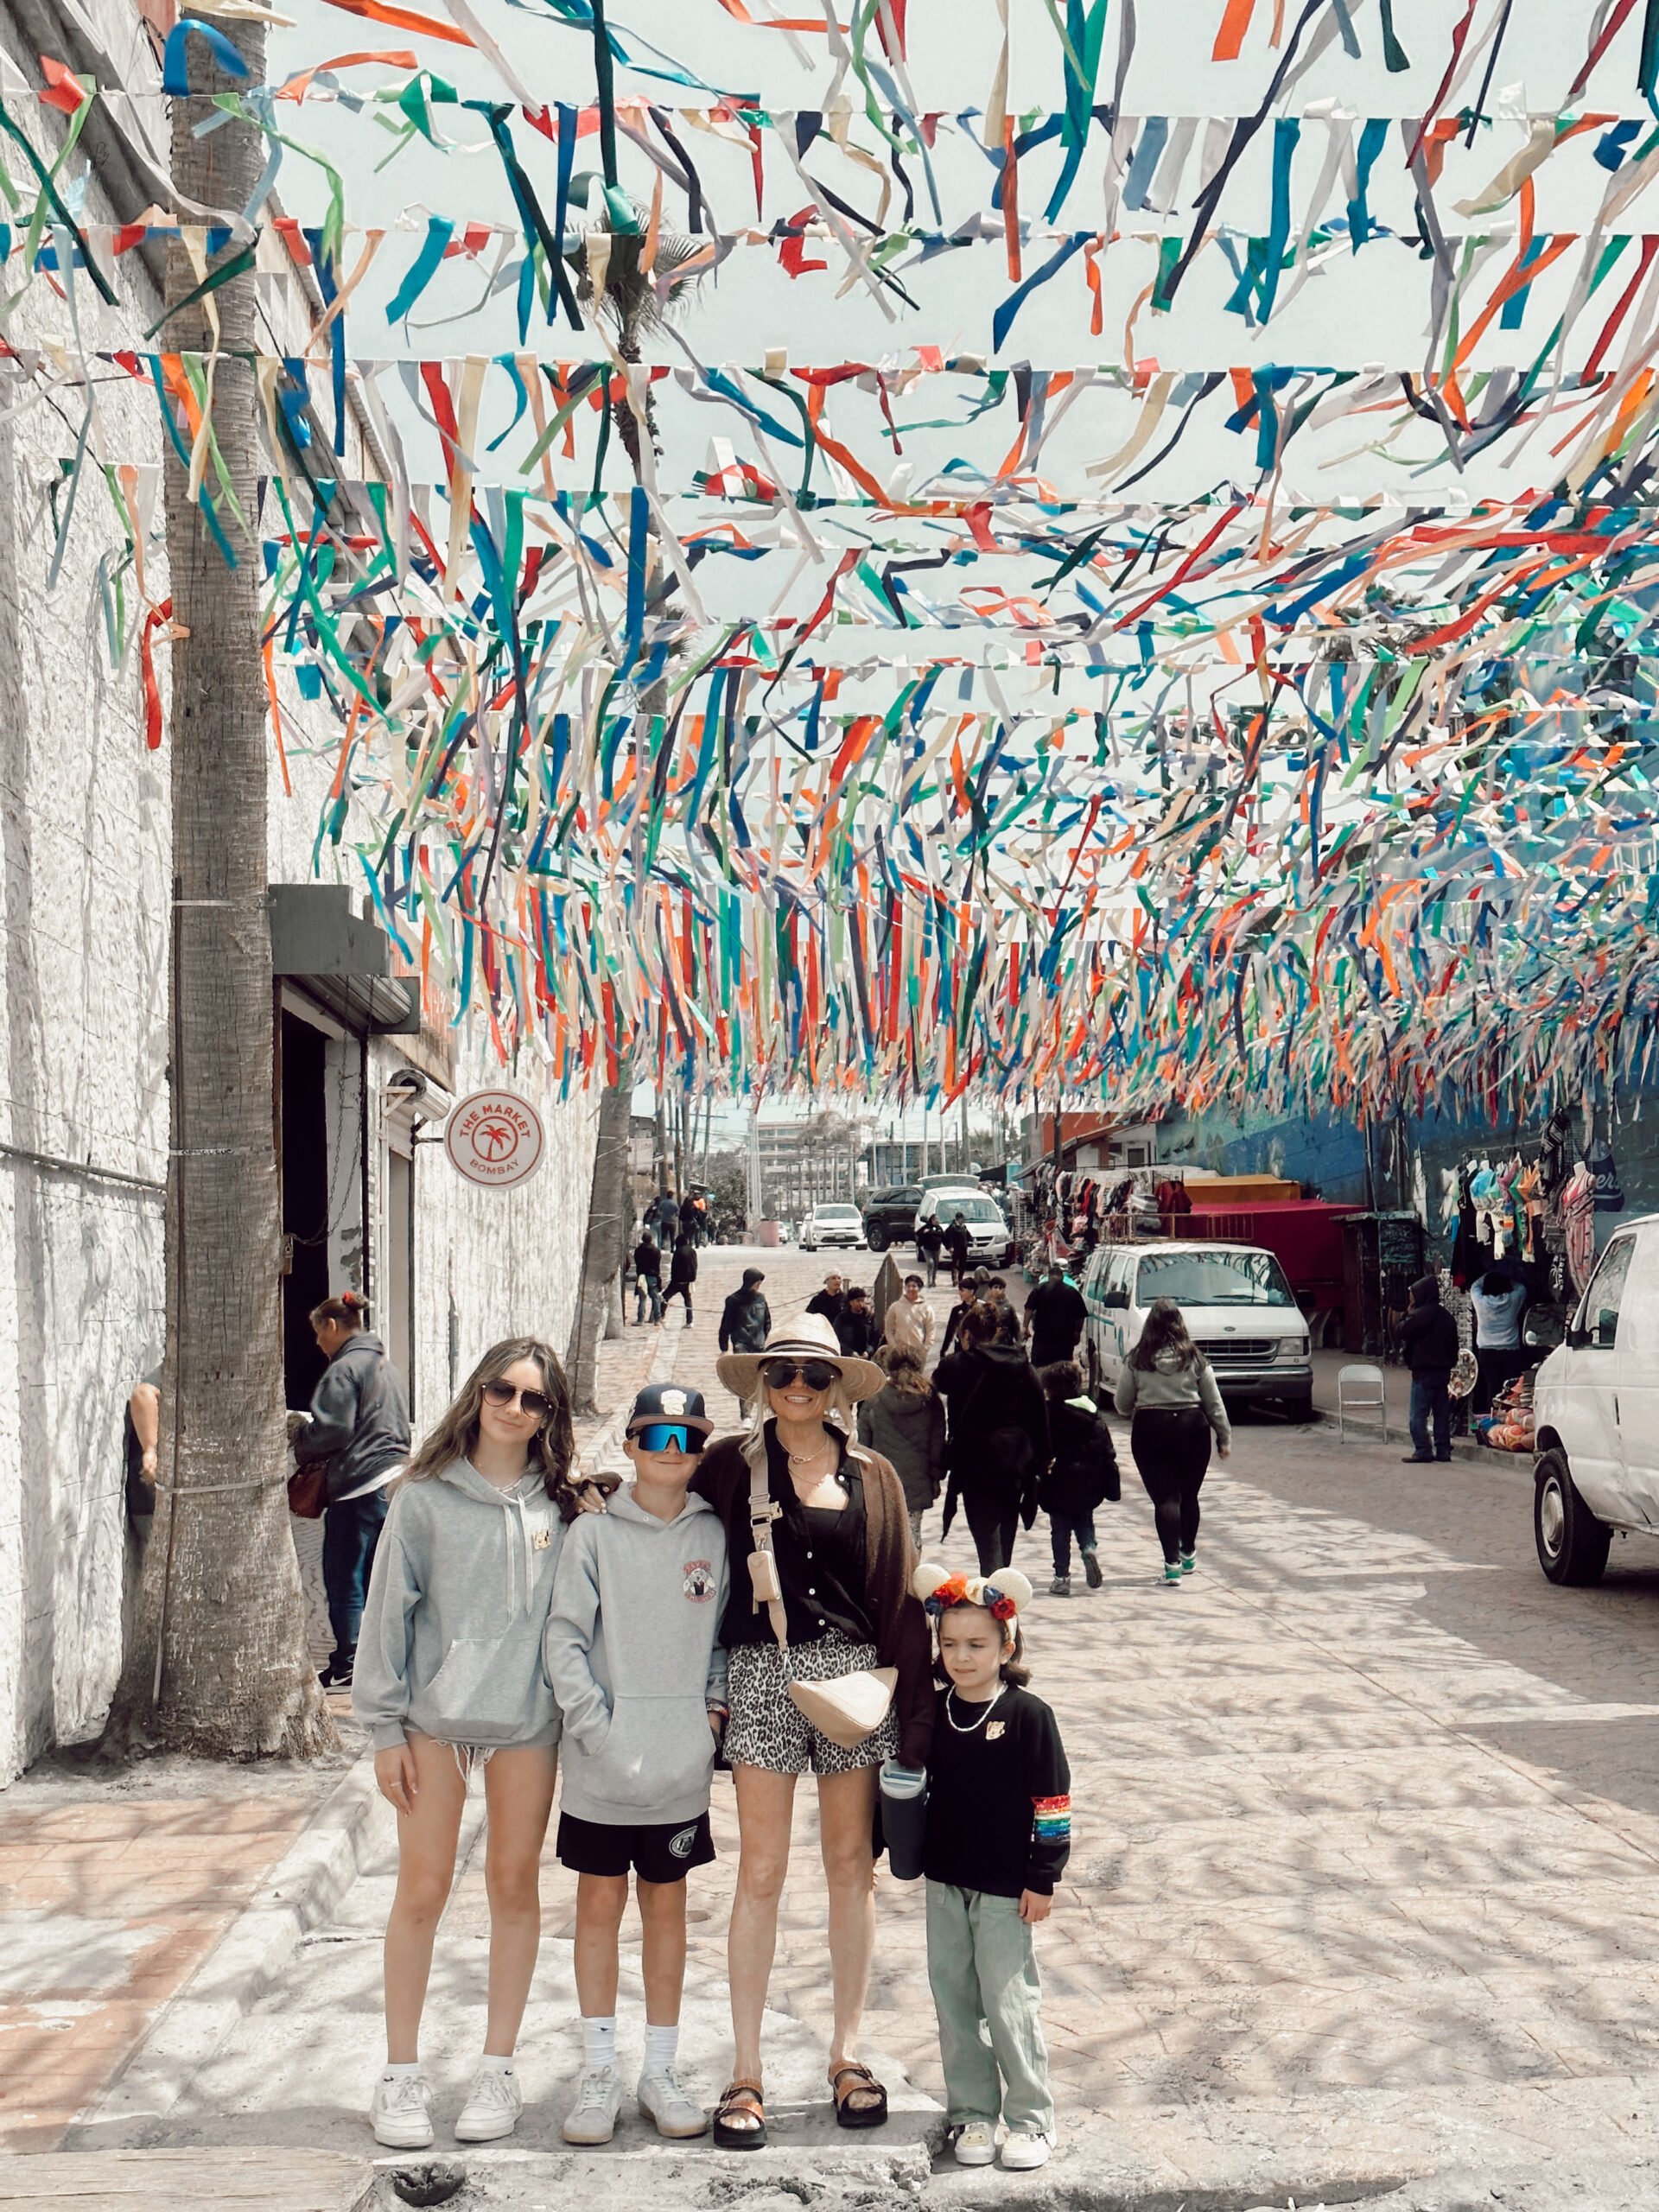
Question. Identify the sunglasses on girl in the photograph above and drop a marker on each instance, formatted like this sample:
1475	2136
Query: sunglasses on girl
816	1374
531	1403
658	1435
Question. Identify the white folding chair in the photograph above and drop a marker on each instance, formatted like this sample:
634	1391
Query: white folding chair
1360	1389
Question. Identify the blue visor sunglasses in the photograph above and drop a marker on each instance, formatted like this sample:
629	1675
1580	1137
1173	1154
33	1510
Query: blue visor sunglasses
657	1435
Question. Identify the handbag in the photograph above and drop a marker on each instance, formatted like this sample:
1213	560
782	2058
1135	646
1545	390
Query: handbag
846	1708
308	1489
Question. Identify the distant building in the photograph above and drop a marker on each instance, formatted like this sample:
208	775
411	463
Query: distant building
803	1164
1091	1140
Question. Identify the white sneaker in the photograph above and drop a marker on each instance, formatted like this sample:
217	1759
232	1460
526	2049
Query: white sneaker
975	2143
664	2098
494	2104
1023	2154
401	2114
592	2119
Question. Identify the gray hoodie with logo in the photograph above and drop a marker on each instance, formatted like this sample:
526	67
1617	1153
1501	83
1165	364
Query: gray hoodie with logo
451	1640
632	1653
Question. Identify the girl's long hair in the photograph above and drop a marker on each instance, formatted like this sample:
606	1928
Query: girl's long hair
553	1446
906	1374
1164	1331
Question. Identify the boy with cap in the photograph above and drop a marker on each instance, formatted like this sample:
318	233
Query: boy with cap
632	1655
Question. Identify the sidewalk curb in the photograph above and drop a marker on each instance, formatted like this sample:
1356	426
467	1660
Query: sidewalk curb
301	1892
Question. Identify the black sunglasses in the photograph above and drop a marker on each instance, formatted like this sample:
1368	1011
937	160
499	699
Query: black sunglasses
816	1374
534	1405
657	1435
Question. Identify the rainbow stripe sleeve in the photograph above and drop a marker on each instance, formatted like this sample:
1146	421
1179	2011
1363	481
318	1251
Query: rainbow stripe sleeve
1052	1820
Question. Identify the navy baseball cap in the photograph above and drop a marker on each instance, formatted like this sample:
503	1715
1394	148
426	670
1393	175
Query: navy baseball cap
670	1402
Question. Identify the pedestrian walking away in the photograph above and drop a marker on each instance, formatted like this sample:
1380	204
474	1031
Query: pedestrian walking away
450	1676
905	1423
1081	1474
997	1837
1499	1302
1167	1386
746	1318
1055	1314
958	1243
908	1324
359	1431
681	1276
998	1435
635	1661
647	1278
1428	1345
827	1675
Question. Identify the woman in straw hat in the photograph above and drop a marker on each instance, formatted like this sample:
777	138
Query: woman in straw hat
825	1639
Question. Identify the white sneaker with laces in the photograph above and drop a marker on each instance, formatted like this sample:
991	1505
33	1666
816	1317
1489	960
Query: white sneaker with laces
592	2119
494	2104
401	2114
975	2143
1023	2154
665	2099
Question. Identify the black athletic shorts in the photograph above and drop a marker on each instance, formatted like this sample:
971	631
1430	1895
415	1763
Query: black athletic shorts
657	1851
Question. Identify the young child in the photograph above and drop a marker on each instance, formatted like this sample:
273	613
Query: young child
999	1828
640	1679
1081	1471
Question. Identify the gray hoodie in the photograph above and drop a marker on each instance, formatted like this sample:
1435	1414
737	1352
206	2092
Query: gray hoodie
632	1655
1168	1383
451	1640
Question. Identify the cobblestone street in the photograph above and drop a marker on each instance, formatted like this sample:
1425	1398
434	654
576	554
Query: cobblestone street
1363	1882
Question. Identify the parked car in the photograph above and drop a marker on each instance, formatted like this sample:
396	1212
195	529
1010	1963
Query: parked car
1237	1304
831	1224
988	1225
1596	1413
890	1215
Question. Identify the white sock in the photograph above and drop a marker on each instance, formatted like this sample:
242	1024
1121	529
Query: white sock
660	2045
396	2071
495	2060
599	2042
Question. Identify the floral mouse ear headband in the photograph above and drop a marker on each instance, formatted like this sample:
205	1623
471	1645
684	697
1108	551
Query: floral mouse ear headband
1004	1595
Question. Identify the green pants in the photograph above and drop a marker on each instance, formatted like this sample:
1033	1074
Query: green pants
983	1968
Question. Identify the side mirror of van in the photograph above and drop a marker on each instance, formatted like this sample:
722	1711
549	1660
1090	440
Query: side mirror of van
1577	1338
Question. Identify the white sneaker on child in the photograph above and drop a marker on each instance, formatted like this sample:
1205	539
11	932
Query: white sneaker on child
663	2099
1023	2154
592	2119
975	2143
401	2114
494	2104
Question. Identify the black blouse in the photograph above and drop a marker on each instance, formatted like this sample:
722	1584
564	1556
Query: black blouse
821	1556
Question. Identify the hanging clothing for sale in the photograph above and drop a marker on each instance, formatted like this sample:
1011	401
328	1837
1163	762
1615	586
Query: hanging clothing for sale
1554	1157
1578	1219
1609	1195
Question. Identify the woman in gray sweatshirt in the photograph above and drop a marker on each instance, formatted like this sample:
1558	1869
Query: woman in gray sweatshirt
450	1675
1166	1383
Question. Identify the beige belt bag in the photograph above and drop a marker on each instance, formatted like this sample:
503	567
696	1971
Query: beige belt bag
846	1708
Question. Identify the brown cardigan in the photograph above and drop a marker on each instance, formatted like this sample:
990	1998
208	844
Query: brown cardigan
902	1637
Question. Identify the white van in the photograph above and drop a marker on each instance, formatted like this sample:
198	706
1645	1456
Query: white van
1237	1304
1596	1407
991	1240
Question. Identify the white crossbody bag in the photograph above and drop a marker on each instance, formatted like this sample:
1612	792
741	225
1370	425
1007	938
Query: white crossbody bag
846	1708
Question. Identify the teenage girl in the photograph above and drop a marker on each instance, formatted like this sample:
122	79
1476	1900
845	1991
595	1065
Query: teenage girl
1167	1385
450	1675
999	1829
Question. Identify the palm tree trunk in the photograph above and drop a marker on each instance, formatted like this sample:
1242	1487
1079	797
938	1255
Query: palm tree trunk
610	1217
219	1664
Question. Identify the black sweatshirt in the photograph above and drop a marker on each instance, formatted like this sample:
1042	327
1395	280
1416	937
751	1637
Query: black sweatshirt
999	1799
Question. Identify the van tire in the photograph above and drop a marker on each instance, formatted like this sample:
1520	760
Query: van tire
1301	1408
1572	1543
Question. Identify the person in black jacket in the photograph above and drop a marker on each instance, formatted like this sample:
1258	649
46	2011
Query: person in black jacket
1055	1314
998	1440
967	1297
855	1326
682	1274
1081	1471
1428	1345
647	1278
746	1318
359	1425
959	1243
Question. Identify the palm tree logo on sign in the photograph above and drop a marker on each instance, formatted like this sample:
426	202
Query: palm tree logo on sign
494	1139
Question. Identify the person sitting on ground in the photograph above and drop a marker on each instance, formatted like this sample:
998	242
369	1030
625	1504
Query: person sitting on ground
855	1326
905	1423
830	1301
1428	1345
908	1324
1081	1471
745	1320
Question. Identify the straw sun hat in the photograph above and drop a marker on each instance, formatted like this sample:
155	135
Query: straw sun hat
812	1337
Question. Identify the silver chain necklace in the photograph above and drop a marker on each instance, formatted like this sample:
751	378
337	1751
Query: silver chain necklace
985	1713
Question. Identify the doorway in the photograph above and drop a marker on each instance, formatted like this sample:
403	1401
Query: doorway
397	1267
305	1203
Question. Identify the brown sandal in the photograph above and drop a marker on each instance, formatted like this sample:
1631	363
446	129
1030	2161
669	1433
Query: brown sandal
744	2097
863	2084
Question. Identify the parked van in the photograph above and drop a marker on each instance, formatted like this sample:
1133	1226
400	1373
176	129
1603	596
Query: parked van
1237	1304
1596	1410
992	1241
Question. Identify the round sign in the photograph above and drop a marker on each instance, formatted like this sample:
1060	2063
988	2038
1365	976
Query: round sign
495	1138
